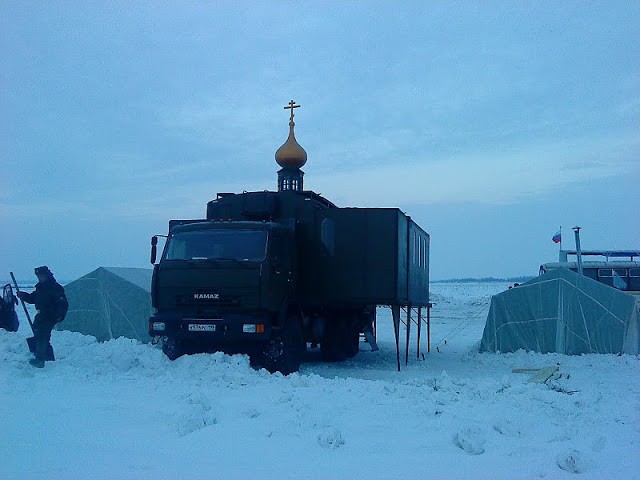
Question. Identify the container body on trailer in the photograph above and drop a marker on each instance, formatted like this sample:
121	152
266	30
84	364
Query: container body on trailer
265	273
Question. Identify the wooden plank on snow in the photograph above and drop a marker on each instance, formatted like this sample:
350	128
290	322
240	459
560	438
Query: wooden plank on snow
543	374
525	370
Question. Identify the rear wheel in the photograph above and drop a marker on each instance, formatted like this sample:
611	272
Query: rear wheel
341	338
333	346
353	341
283	352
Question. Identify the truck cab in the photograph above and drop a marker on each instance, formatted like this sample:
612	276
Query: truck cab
222	285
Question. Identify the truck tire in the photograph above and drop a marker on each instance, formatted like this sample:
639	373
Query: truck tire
359	322
334	341
172	348
353	342
283	352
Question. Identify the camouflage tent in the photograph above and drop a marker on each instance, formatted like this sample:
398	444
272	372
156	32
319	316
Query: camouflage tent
562	311
110	303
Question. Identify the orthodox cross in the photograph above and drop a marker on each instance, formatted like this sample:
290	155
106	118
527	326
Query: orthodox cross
291	106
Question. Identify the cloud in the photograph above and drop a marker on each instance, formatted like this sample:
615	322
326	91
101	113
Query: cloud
491	178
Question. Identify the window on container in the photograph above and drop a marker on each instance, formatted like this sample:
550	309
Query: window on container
605	272
327	236
591	273
413	248
425	252
620	271
634	272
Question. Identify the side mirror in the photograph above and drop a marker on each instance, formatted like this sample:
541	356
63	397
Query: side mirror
154	249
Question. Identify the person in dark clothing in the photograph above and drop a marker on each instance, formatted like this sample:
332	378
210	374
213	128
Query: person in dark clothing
8	316
51	304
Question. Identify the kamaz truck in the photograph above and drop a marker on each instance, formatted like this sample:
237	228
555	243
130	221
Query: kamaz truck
266	273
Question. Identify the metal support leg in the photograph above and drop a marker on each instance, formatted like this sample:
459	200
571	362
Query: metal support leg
395	311
406	354
429	327
419	328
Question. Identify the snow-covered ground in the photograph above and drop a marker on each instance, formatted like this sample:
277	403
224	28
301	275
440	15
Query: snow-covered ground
121	410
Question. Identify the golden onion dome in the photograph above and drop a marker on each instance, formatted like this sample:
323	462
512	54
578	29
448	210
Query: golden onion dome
291	155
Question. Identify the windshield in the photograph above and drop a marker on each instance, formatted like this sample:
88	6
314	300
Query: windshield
243	245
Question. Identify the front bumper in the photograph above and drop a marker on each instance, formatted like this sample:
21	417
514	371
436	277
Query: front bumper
213	329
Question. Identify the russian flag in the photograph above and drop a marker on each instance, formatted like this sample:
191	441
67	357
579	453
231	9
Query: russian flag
557	238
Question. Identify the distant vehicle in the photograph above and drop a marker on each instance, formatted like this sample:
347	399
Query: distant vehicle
265	273
617	268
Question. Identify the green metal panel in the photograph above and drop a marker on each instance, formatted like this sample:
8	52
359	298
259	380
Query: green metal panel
362	268
346	256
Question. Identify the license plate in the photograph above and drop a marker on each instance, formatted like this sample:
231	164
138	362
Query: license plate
200	327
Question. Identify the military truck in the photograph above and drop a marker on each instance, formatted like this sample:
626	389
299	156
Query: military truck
266	273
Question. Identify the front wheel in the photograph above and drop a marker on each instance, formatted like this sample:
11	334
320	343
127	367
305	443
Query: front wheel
283	352
172	348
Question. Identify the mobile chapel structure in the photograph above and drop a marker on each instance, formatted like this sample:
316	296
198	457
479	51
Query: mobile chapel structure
265	273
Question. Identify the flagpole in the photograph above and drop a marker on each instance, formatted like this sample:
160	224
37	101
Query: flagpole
560	237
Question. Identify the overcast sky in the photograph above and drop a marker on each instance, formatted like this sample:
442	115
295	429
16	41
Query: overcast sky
491	124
